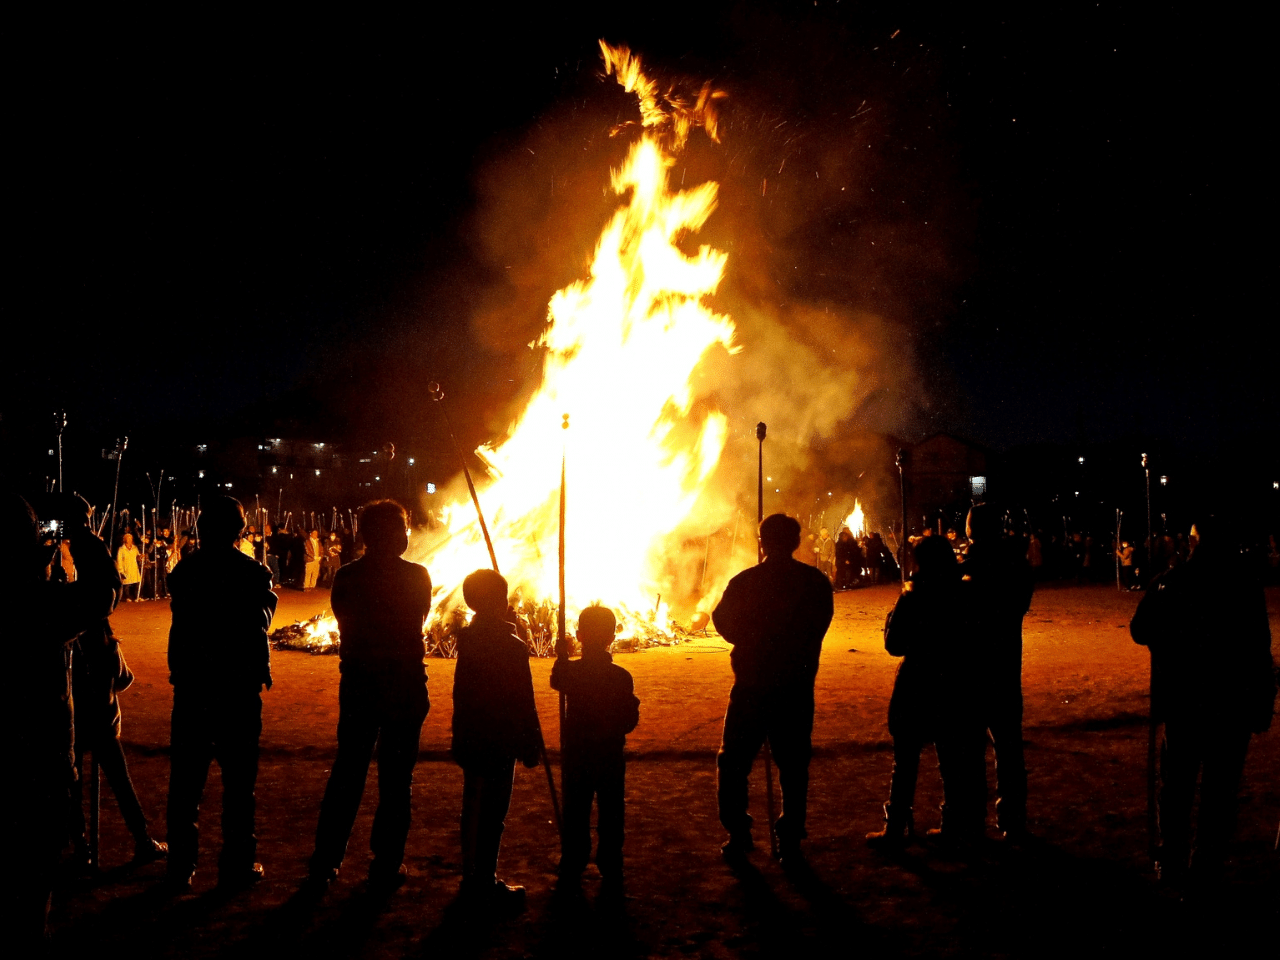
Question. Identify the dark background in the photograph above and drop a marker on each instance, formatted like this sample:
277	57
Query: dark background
229	226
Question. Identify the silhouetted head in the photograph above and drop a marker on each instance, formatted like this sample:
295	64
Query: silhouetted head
486	592
845	534
385	528
779	535
221	521
935	560
74	510
596	627
984	523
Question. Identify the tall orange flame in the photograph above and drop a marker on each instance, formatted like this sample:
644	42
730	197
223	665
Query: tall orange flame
619	351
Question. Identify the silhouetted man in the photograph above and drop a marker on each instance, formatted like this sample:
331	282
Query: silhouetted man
219	661
381	603
1001	586
1212	685
775	615
38	764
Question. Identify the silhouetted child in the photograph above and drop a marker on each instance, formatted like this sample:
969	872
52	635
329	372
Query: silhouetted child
495	723
600	711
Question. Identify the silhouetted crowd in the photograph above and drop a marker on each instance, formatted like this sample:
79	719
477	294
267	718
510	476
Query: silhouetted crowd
957	626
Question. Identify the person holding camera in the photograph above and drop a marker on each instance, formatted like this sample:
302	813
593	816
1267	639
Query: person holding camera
41	628
219	661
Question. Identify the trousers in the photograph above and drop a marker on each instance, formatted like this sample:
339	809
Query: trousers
1217	755
960	761
785	718
210	726
601	779
486	798
370	715
109	753
1004	725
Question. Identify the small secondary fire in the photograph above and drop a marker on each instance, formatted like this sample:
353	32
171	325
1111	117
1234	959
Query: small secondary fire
620	349
856	521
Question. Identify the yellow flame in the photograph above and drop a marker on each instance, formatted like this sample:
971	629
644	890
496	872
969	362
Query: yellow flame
856	521
619	351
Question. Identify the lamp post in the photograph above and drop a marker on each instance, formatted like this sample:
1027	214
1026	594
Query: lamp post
1146	469
901	461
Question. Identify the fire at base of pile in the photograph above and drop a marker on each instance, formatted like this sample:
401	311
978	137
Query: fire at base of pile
536	625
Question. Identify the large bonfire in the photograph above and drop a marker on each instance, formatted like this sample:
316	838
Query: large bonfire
619	351
618	354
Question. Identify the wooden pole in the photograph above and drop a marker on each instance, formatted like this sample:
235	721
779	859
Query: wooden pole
768	747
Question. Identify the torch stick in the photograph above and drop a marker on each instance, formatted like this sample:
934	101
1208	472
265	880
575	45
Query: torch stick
768	747
437	394
95	807
1119	515
120	446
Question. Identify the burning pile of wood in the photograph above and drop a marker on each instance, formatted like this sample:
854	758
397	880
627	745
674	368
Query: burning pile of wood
536	625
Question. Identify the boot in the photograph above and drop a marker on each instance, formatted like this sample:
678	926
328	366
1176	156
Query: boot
899	825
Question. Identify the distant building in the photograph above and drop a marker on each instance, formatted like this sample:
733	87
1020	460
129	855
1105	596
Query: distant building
944	477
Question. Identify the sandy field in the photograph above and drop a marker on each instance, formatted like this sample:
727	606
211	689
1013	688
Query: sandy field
1084	886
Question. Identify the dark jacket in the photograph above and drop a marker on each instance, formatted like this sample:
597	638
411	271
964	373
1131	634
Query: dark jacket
381	605
494	717
935	686
1206	624
775	615
41	629
600	707
1001	583
222	607
98	673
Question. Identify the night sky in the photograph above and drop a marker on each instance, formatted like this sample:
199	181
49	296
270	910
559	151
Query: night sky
1047	214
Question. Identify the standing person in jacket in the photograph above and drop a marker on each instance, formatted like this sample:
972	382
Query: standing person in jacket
601	710
934	700
219	661
128	565
495	723
38	764
775	615
381	602
824	550
1213	685
314	551
99	674
1001	584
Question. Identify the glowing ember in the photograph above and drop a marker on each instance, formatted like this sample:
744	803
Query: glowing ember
856	521
620	349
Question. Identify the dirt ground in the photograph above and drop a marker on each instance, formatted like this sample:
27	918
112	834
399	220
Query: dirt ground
1085	885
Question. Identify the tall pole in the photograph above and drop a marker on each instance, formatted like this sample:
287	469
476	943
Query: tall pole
760	432
901	461
60	421
1153	769
120	447
1146	468
436	393
768	747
